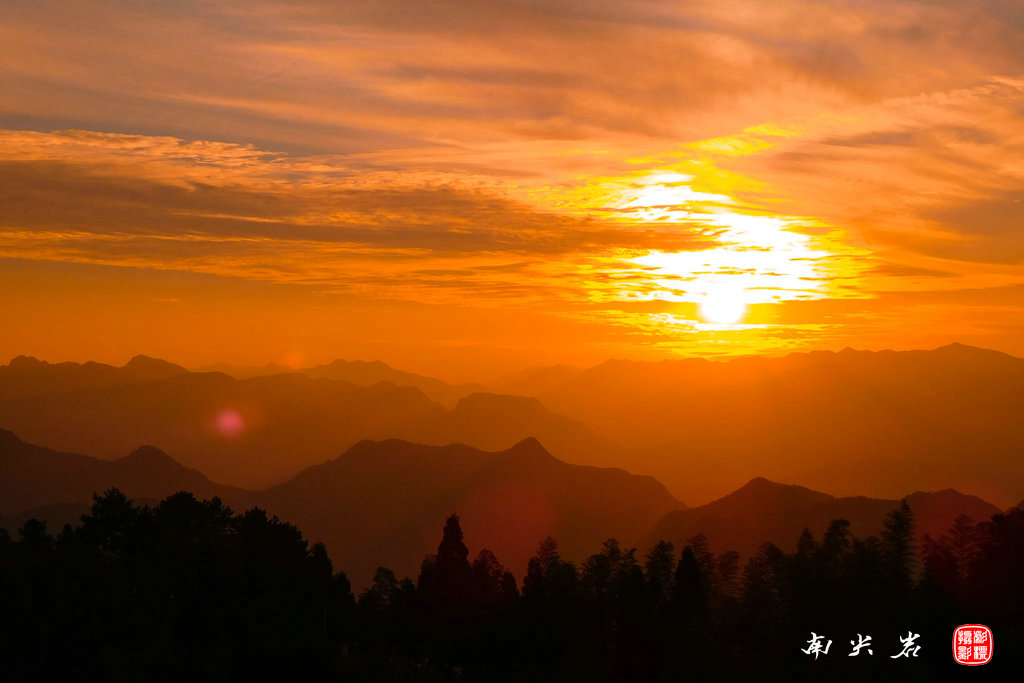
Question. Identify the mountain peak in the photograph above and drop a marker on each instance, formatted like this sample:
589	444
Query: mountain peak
965	351
149	366
760	483
142	359
760	488
529	446
958	347
8	438
955	346
148	455
25	362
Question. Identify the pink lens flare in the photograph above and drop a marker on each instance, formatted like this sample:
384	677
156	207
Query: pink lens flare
230	423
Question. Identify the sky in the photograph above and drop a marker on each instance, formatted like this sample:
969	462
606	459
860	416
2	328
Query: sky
468	188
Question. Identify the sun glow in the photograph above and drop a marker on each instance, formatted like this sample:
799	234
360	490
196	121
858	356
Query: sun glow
716	249
749	259
724	307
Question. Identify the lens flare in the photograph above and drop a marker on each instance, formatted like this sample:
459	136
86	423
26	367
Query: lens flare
230	423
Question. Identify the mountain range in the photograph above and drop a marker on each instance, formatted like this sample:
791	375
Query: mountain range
32	476
534	381
26	376
363	373
847	423
383	503
247	433
379	503
763	510
262	430
853	422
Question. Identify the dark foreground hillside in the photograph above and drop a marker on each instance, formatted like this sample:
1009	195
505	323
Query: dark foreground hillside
188	590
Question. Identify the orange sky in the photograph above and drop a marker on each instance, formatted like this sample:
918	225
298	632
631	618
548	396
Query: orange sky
466	188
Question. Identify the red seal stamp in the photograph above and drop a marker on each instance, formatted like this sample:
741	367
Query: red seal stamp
972	644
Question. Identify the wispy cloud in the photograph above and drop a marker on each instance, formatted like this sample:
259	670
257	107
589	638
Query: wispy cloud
561	155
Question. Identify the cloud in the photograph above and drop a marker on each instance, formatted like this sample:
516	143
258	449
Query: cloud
447	151
137	185
934	175
900	270
355	77
990	224
234	210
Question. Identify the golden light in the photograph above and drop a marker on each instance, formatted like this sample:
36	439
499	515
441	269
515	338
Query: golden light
724	307
733	254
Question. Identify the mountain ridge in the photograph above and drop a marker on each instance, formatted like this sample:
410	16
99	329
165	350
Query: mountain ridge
763	510
873	422
877	423
509	500
32	476
263	430
362	373
382	502
29	376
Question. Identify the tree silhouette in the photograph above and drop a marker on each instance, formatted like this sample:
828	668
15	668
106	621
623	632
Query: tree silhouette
659	566
188	589
690	588
494	586
898	546
451	590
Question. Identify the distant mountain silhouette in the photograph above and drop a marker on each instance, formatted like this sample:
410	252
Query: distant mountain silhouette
249	433
852	422
262	430
31	476
879	423
369	373
359	372
533	381
26	376
493	421
382	502
763	511
246	371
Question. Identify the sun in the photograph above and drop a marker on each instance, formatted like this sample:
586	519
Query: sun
724	307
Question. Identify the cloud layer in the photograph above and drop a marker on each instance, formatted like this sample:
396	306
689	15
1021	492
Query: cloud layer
572	159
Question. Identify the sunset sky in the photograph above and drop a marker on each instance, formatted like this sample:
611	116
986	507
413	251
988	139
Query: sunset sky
466	188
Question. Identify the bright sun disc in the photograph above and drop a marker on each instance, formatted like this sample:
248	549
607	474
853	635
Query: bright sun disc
723	308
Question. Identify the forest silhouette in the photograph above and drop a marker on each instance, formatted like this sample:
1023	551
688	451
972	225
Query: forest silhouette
189	590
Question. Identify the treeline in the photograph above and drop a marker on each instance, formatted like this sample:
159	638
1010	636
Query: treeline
187	590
